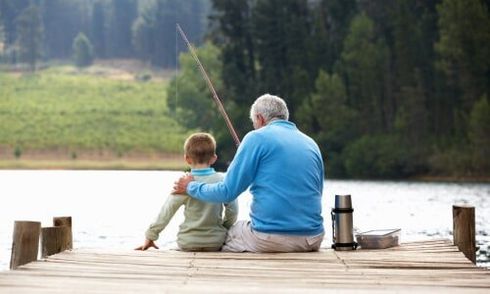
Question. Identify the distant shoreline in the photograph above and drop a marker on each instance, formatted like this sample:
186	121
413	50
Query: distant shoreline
175	162
106	164
445	179
426	178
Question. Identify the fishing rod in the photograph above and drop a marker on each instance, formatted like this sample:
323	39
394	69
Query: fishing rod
211	88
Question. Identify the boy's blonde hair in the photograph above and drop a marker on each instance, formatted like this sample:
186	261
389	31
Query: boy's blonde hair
200	147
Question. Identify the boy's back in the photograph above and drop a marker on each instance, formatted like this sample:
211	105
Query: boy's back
204	227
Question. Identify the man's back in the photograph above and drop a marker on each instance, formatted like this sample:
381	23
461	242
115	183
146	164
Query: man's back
288	184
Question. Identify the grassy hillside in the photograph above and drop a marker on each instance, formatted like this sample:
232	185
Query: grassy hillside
64	114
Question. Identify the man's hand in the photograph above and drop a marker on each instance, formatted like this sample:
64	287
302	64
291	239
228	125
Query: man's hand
148	244
180	186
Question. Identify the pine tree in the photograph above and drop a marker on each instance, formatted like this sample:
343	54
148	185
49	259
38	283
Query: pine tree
10	10
333	119
30	34
463	49
99	29
2	39
281	31
154	31
167	13
479	134
232	33
142	38
63	20
413	74
190	101
362	65
83	54
124	13
331	24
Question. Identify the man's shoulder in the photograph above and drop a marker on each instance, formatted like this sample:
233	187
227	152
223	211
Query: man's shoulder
252	135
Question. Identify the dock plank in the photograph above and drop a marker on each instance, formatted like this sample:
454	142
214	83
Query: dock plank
428	266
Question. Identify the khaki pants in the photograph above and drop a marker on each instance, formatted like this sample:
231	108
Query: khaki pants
242	238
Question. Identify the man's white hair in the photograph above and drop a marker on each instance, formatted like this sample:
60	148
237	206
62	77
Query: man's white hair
270	107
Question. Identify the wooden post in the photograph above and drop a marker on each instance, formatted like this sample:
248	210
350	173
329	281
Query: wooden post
54	240
66	222
58	238
464	230
25	244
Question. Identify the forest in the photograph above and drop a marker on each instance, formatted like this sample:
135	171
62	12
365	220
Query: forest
387	88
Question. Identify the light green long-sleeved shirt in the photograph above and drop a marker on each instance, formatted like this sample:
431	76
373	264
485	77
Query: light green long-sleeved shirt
204	225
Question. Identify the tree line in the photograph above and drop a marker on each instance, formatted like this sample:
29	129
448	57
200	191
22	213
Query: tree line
43	30
388	88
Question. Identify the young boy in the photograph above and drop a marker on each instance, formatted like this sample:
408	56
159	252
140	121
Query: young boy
204	228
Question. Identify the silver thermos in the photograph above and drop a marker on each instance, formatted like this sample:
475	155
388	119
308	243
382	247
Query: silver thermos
342	226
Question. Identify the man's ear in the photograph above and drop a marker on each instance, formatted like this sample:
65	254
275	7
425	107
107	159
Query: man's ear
261	120
213	159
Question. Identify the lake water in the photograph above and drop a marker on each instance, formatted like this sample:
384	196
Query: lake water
112	209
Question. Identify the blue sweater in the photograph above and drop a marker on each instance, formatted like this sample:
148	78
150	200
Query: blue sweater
284	170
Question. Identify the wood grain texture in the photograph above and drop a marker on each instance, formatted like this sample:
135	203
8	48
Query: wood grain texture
419	267
65	221
55	240
25	243
464	230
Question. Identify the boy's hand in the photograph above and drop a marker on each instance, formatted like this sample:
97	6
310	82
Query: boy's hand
148	244
180	186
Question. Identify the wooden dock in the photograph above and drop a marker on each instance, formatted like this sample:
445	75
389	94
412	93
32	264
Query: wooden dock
429	266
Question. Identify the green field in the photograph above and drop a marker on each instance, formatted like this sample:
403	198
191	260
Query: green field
62	114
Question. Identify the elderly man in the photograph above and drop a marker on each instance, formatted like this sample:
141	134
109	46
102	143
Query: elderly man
284	169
